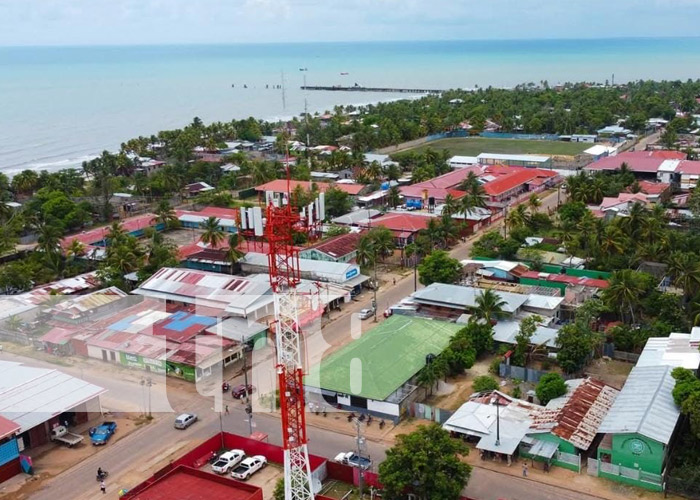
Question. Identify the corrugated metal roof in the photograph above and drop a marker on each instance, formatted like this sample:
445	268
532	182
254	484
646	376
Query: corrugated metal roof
460	297
645	405
30	396
583	412
673	351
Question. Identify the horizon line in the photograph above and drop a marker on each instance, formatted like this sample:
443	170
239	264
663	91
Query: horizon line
333	42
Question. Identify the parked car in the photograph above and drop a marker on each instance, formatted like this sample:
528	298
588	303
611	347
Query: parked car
353	459
366	313
100	435
185	420
248	467
62	435
227	460
239	391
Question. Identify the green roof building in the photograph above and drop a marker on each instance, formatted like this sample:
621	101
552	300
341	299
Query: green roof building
375	373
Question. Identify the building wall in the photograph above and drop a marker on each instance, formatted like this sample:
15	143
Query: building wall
649	456
314	254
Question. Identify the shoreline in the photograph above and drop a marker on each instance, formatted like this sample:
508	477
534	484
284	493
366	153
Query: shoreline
72	162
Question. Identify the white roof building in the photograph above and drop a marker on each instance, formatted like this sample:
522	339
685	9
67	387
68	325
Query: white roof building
645	405
463	161
676	350
30	396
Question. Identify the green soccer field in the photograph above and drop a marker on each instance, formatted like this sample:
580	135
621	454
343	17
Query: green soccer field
474	146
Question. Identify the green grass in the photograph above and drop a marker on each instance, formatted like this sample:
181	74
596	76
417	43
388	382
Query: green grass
382	359
474	146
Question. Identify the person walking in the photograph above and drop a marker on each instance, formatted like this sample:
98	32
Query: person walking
226	409
103	487
524	469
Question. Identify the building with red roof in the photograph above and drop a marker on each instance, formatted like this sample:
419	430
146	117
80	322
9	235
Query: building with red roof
403	226
131	225
503	185
342	248
439	187
279	186
9	451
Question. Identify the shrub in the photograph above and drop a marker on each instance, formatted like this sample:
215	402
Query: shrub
484	383
549	387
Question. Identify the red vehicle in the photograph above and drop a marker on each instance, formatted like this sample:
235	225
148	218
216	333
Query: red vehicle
239	391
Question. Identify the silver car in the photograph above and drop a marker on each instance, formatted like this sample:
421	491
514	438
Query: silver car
185	420
366	313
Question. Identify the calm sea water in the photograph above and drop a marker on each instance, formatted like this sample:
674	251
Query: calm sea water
61	105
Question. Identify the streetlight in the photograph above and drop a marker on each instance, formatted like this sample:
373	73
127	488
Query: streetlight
147	382
248	408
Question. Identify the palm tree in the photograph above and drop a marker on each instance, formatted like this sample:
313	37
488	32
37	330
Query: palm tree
393	196
684	268
489	305
518	217
633	222
365	252
624	292
534	203
451	205
165	215
49	241
373	171
116	234
383	241
613	241
449	231
213	235
233	254
75	250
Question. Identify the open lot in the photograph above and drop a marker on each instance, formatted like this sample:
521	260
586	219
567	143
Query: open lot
474	146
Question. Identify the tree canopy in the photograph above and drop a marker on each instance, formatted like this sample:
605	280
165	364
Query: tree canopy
439	267
427	463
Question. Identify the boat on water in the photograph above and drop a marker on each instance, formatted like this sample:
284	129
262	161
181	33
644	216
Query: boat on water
344	73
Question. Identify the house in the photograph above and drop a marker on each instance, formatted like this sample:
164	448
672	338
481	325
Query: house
344	274
435	190
665	166
354	219
599	151
495	269
232	295
614	131
403	226
619	206
342	248
383	384
656	192
10	464
504	185
97	237
227	217
638	429
584	138
39	399
529	161
279	187
197	188
683	174
557	434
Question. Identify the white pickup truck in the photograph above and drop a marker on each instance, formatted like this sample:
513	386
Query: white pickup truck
353	459
63	435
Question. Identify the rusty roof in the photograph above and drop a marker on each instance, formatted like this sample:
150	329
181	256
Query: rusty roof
579	419
338	246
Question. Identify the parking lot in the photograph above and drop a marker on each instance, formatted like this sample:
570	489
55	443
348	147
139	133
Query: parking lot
266	478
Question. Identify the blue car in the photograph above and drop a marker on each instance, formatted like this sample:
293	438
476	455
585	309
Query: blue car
101	434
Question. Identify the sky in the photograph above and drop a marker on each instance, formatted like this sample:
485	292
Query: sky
118	22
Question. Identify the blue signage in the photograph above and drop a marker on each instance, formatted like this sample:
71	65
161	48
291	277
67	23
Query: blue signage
351	273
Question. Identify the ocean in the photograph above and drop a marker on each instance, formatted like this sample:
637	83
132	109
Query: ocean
62	105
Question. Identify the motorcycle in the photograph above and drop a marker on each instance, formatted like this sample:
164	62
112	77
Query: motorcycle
351	416
225	386
102	477
369	420
324	411
382	423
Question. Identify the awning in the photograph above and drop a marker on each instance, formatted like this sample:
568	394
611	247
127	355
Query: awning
356	281
545	449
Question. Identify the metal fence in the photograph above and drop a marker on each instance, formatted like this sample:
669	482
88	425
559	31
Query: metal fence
629	473
592	467
524	374
610	351
526	137
427	412
569	458
609	468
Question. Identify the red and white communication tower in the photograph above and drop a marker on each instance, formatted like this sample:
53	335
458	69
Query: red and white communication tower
284	278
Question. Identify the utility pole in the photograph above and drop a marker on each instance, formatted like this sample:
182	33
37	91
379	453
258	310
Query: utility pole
284	97
306	121
415	271
360	441
376	285
248	408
